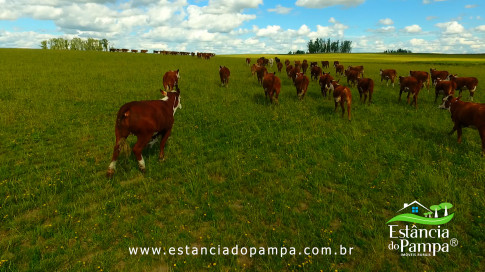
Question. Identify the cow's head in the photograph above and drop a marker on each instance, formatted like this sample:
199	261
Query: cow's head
176	102
448	101
380	72
164	95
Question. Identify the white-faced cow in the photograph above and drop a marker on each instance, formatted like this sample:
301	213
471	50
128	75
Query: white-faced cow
444	87
341	95
466	114
326	85
469	83
388	74
147	120
443	75
224	73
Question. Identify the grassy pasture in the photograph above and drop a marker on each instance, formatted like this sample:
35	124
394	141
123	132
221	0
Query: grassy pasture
238	171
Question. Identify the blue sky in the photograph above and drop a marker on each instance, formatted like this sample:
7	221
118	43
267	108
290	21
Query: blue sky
249	26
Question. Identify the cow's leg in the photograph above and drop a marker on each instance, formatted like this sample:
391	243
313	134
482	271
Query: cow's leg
120	143
163	142
370	97
459	131
342	106
141	142
400	94
407	100
348	108
415	100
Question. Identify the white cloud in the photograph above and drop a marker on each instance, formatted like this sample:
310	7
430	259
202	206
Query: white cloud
327	3
223	22
280	9
231	6
269	30
429	1
452	27
471	6
386	21
413	29
386	29
480	28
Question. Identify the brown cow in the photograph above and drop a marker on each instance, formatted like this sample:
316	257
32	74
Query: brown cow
339	69
271	86
359	69
365	86
248	61
313	63
301	84
254	67
445	87
352	76
466	114
388	74
147	120
443	75
411	85
342	95
421	76
325	63
469	83
304	66
325	82
171	80
287	62
224	73
293	72
315	72
279	65
335	63
261	71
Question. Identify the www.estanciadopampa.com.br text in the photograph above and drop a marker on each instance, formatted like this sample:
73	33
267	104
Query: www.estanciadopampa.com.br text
236	251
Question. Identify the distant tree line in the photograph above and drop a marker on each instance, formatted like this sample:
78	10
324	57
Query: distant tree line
88	44
297	52
328	46
399	51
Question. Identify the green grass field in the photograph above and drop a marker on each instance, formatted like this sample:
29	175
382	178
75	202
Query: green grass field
238	170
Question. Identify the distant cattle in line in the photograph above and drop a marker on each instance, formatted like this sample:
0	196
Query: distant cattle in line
134	51
469	83
388	74
261	72
280	66
124	50
144	51
301	84
443	75
339	69
170	80
422	76
411	85
444	87
315	72
147	120
248	61
326	85
335	63
224	73
325	64
271	86
466	114
365	86
342	95
352	76
304	67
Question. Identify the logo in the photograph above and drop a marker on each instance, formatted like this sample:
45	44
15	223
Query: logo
421	241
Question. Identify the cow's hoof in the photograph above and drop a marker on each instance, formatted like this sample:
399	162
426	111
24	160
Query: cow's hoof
110	173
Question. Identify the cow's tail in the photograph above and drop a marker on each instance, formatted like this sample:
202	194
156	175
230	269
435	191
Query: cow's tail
122	126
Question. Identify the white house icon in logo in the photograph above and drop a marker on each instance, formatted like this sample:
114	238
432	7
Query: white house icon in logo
414	207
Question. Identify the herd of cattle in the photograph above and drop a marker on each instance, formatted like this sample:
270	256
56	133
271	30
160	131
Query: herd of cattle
149	120
164	52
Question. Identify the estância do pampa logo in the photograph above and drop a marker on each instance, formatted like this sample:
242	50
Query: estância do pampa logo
421	241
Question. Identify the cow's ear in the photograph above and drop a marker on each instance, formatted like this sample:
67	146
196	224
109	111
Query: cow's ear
274	73
178	71
220	67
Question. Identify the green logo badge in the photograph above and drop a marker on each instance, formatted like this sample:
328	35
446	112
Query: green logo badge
428	217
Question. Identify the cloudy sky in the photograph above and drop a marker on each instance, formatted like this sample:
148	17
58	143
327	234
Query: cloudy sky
249	26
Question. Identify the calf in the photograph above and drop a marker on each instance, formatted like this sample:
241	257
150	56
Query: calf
325	82
352	76
261	72
388	74
271	86
438	74
147	120
171	80
339	69
224	73
365	87
315	72
279	65
421	76
301	84
411	85
304	66
469	83
466	114
445	87
342	95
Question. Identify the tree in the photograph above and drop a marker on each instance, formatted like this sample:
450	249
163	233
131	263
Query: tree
435	208
446	206
43	44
